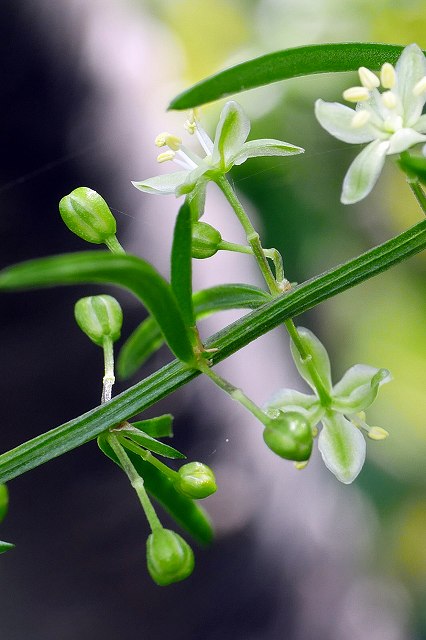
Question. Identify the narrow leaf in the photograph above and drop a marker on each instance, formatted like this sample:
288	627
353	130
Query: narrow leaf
146	393
146	441
289	63
147	338
4	501
181	264
184	510
158	427
126	271
5	546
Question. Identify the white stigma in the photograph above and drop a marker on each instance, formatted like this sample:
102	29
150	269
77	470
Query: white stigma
360	119
420	87
389	99
356	94
166	156
388	76
369	80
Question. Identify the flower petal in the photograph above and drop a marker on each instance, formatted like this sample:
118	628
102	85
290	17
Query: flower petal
291	400
410	68
318	356
358	388
342	447
231	133
337	119
192	178
403	139
162	185
265	147
364	171
420	125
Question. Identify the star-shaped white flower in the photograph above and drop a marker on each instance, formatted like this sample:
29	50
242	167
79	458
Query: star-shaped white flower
228	148
391	120
340	441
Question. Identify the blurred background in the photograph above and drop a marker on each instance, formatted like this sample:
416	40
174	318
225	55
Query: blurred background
85	87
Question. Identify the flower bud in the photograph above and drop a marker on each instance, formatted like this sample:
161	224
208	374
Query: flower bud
87	215
205	240
169	558
196	480
99	317
289	436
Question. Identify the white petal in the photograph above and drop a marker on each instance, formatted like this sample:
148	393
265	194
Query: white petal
192	177
403	139
358	388
364	171
337	119
318	355
420	125
410	68
265	147
342	447
231	133
162	185
291	400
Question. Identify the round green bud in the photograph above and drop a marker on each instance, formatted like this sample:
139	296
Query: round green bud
87	215
99	317
196	480
169	558
289	435
205	240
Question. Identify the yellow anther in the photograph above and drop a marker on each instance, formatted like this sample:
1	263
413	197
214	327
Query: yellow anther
360	119
356	94
315	432
389	99
301	465
165	138
388	76
377	433
190	126
369	80
167	155
420	87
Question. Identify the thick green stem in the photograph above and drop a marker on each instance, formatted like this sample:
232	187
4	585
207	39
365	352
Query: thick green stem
136	481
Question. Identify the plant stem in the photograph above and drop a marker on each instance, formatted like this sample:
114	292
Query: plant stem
109	378
419	194
272	254
236	394
148	457
136	481
114	246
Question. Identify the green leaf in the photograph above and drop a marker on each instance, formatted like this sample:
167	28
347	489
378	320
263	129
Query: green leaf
147	338
413	166
181	264
5	546
158	427
146	393
289	63
184	510
4	501
144	440
126	271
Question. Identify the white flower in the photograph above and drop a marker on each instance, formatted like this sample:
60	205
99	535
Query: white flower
228	148
391	121
340	442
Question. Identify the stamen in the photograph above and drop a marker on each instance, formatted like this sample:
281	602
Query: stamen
185	159
167	155
168	139
360	119
420	87
356	94
377	433
369	80
388	76
301	465
190	127
204	139
389	99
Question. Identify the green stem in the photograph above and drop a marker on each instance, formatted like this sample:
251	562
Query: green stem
419	194
136	481
114	246
272	254
148	457
109	378
236	394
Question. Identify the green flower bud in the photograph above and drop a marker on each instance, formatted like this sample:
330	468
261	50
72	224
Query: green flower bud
196	480
99	317
87	215
169	558
205	240
289	435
